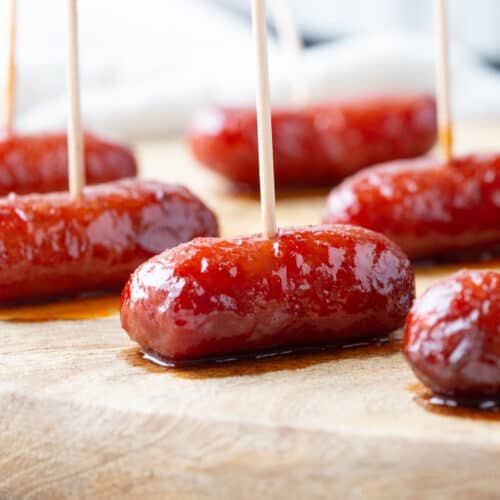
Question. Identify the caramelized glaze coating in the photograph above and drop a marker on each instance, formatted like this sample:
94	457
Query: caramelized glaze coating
427	207
316	145
452	338
39	163
310	285
52	245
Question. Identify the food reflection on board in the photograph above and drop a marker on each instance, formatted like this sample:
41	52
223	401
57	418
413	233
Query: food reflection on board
60	246
311	285
447	406
316	145
429	207
38	163
274	360
452	339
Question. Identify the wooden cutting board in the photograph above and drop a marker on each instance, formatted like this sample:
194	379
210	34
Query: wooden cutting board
83	417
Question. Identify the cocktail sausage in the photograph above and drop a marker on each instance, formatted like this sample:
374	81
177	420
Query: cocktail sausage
214	297
316	145
53	245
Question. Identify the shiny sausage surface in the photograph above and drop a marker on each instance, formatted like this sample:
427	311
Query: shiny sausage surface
429	208
311	285
39	163
316	145
452	338
52	245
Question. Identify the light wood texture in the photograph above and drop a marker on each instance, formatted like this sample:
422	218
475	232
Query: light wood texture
76	163
79	420
264	128
445	122
10	83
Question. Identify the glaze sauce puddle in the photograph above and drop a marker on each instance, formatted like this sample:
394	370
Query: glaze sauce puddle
79	308
263	362
477	409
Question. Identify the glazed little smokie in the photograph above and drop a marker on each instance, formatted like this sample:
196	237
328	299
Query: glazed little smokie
446	207
53	245
38	163
306	286
289	287
317	144
430	207
90	239
452	338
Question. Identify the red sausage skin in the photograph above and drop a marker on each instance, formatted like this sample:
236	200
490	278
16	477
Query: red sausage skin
316	145
39	163
452	338
213	297
429	208
52	245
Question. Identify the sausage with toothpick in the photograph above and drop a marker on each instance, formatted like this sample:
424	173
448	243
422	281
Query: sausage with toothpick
52	245
305	286
317	144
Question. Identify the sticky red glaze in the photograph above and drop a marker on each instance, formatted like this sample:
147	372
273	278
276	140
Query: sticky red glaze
306	286
52	245
317	145
452	338
39	163
427	207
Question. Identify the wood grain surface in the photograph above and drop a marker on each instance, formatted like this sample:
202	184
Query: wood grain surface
83	417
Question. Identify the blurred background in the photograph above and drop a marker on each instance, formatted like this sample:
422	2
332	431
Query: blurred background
147	65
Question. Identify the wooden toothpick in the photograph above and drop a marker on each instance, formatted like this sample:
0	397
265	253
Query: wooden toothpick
76	162
445	123
266	162
10	83
291	44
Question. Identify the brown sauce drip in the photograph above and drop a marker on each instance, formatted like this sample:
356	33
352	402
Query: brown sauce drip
281	359
446	139
477	409
79	308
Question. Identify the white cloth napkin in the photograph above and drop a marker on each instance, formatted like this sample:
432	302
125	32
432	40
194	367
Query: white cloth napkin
147	66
